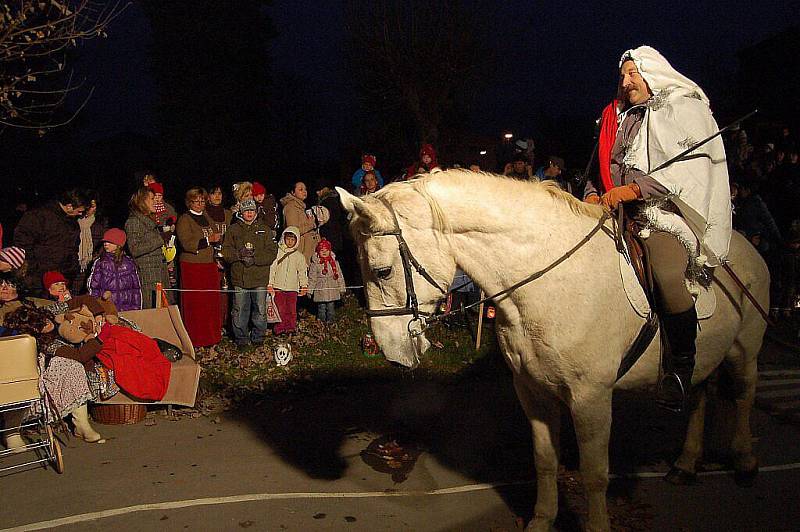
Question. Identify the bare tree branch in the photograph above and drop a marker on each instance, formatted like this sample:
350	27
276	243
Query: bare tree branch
36	37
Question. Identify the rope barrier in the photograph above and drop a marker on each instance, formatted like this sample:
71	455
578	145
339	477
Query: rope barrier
352	287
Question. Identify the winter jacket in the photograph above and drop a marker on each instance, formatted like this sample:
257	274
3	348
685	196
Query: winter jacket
321	285
144	243
194	245
358	178
50	239
752	217
264	251
419	167
289	272
122	280
333	230
294	214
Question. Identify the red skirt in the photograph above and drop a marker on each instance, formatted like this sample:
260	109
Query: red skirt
201	310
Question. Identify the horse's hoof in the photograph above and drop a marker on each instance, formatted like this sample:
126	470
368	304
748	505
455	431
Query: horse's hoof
745	479
680	477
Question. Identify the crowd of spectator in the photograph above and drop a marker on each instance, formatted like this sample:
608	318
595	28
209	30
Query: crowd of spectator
765	190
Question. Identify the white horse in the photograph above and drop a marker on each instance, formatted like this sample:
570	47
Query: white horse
564	334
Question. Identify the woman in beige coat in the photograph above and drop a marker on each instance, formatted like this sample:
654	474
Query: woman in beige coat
294	214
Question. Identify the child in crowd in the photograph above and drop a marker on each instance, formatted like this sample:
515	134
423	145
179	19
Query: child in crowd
267	207
241	191
165	217
56	285
288	275
367	165
249	248
325	281
369	185
114	275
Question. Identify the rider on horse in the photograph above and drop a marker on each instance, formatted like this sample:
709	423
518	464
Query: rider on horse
684	208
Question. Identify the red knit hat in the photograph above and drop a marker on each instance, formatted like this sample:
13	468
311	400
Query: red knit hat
323	244
258	188
367	158
329	260
157	188
115	236
52	277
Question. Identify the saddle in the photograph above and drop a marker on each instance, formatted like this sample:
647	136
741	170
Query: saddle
629	243
637	255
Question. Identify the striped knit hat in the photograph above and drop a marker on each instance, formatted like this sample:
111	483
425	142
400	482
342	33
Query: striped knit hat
14	256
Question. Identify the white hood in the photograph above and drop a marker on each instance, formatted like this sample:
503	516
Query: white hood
677	117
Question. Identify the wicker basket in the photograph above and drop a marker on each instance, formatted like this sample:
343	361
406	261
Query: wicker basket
118	414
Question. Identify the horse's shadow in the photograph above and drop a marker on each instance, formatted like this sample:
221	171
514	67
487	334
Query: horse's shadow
472	424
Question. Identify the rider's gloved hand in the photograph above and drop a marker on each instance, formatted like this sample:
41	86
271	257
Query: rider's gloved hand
594	199
617	195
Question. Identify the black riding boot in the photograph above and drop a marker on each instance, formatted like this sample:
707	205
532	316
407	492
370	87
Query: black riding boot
680	331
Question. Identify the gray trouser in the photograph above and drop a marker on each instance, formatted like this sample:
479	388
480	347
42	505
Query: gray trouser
668	260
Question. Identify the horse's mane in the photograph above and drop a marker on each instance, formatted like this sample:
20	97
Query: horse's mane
473	181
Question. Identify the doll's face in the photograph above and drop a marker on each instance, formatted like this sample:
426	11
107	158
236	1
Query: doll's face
426	158
158	198
259	198
8	291
367	167
109	247
324	253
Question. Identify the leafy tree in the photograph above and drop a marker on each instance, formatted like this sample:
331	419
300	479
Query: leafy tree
36	38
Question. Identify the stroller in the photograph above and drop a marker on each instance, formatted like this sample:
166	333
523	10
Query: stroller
24	408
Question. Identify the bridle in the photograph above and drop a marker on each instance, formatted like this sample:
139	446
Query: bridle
421	320
410	263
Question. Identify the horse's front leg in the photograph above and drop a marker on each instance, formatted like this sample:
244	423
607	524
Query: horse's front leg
543	412
591	414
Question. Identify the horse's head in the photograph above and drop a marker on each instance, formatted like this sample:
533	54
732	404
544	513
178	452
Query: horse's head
397	287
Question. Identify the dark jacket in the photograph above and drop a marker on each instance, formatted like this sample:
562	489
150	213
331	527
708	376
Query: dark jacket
50	239
122	280
236	252
333	230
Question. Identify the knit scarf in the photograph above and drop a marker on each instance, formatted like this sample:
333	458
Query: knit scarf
87	245
325	261
160	209
608	134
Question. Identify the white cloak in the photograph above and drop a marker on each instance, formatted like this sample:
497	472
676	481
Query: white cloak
676	117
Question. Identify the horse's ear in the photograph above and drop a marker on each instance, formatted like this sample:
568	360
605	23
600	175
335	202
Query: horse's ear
353	205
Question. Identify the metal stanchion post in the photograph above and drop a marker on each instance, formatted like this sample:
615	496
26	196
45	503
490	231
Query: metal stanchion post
480	324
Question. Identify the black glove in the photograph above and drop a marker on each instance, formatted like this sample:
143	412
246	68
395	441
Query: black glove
247	256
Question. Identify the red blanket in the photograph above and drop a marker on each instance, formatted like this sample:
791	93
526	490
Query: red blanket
139	367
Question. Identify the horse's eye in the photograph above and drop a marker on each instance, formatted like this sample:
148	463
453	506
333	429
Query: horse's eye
383	273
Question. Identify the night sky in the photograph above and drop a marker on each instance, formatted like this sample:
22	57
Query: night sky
555	59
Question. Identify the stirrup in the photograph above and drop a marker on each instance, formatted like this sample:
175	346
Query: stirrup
672	403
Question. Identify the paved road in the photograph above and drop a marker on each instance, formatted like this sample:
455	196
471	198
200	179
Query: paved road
295	463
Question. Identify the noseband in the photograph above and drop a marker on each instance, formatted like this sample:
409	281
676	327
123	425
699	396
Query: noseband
410	263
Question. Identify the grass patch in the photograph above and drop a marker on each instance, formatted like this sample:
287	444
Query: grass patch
332	353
